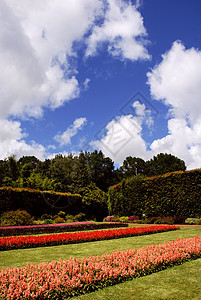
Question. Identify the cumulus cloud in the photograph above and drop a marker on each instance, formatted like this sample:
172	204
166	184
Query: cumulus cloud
37	41
122	30
65	137
177	82
122	136
12	142
143	114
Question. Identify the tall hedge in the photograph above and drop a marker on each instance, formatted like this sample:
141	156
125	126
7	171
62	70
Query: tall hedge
126	197
38	202
171	194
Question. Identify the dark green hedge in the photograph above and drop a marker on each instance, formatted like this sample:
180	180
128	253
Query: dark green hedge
38	202
172	194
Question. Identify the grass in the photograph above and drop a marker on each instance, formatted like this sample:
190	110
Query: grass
178	283
20	257
181	282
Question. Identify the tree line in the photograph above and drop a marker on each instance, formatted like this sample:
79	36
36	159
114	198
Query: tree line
75	173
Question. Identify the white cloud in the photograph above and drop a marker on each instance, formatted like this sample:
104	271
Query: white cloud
122	30
65	137
36	40
86	83
12	143
142	113
122	138
177	82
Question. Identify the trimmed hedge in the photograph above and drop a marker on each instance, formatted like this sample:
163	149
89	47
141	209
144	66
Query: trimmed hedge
172	194
38	202
56	228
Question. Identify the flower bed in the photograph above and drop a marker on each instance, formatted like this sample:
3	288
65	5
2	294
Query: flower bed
54	228
17	242
67	278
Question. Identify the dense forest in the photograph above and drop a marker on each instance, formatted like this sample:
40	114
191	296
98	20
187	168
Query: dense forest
75	173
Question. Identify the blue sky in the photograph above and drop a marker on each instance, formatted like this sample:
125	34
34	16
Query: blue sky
119	76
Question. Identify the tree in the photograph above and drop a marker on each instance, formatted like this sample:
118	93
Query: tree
164	163
94	202
4	170
61	168
13	168
133	166
81	173
27	165
101	170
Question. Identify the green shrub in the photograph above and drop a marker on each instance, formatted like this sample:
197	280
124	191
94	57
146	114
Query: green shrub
48	221
123	219
193	221
80	217
16	218
173	194
38	202
61	214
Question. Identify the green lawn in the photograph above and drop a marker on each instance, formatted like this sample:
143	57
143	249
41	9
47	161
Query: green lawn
181	282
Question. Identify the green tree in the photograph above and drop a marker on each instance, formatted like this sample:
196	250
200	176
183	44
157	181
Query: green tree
81	173
102	169
133	166
61	168
13	168
94	201
164	163
4	170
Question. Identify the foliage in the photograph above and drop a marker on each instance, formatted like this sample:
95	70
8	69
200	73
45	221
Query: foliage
108	218
133	166
193	221
94	201
59	220
164	163
38	202
18	217
123	219
13	242
126	198
175	194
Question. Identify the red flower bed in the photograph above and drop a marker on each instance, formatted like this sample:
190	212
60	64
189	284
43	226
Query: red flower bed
17	242
67	278
54	228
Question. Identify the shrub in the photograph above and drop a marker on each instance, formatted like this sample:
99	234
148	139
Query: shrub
167	220
80	217
46	216
48	221
38	202
109	218
17	217
62	214
179	220
59	220
123	219
172	194
192	221
133	218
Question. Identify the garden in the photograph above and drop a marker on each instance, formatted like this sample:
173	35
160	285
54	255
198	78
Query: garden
99	260
147	246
